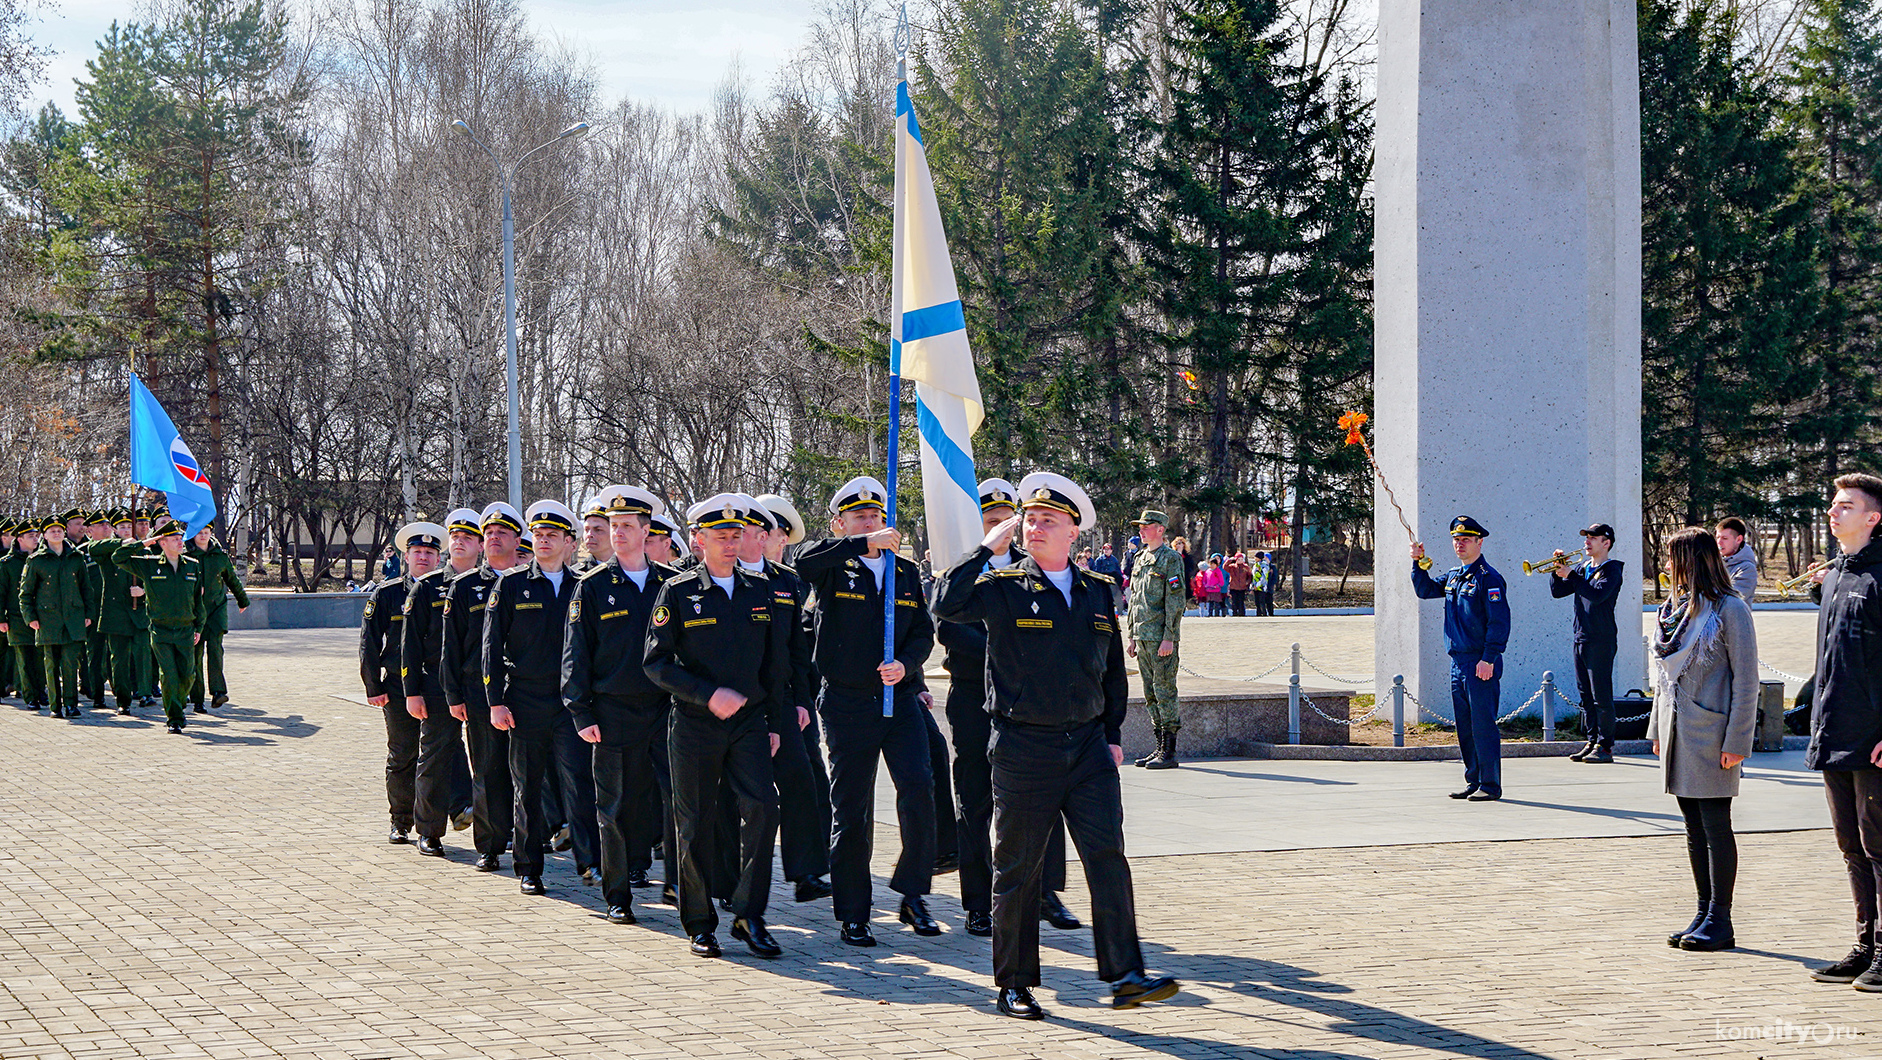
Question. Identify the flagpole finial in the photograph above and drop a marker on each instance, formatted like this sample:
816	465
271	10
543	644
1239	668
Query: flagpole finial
901	40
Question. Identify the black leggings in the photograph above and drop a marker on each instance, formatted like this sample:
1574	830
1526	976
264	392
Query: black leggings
1712	847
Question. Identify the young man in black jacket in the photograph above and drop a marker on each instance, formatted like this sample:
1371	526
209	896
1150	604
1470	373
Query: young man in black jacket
1846	727
461	671
381	670
444	779
1595	585
1055	668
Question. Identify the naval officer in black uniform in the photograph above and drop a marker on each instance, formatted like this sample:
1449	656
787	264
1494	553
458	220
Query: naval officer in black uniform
1055	666
717	643
848	573
617	709
461	672
972	727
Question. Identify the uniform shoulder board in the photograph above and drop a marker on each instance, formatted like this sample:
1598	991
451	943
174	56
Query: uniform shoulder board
1001	572
583	576
790	570
1100	577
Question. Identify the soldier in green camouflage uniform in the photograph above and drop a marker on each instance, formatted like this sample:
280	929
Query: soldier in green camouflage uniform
1157	601
28	665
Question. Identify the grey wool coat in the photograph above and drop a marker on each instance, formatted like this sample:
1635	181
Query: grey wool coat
1711	708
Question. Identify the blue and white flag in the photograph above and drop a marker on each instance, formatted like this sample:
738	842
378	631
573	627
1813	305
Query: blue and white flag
928	342
161	460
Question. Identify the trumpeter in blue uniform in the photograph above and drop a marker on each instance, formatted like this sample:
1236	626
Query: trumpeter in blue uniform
1476	630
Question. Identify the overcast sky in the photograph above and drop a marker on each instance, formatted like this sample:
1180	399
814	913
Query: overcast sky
672	52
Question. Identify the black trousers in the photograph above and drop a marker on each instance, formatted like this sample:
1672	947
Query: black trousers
1039	775
946	840
625	781
492	793
537	708
1711	847
704	751
803	809
92	678
443	778
575	771
1594	676
401	758
1856	814
858	735
1238	602
973	792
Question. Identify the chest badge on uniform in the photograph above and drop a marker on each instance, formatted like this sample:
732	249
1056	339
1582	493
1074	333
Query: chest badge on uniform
660	616
610	600
1035	607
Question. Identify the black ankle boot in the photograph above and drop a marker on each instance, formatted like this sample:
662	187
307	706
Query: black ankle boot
1697	919
1714	932
1858	961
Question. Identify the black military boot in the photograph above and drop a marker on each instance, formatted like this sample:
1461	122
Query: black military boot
1154	751
1714	932
1166	753
1858	961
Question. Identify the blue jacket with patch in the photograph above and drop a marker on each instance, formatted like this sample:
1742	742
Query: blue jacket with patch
1476	608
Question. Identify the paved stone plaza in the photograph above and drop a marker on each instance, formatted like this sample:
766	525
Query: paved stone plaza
229	894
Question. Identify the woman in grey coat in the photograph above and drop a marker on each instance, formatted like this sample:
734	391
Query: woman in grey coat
1705	708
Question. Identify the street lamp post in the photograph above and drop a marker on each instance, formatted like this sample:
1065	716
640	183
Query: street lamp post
509	293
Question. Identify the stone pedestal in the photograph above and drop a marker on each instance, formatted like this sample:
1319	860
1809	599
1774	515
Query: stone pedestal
1507	377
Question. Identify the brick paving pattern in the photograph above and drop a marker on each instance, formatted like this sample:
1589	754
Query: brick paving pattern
230	894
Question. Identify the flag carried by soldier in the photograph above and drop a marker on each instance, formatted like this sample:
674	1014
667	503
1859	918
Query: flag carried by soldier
161	460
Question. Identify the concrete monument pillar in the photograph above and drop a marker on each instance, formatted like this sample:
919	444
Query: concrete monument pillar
1507	372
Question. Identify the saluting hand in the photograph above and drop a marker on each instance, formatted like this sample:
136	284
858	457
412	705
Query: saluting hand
415	706
1001	536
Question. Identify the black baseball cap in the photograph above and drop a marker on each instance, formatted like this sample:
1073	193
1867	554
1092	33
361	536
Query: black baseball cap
1599	530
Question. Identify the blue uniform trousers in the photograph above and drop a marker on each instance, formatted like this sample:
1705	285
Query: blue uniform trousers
1474	705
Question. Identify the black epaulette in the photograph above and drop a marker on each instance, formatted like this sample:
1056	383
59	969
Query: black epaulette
591	572
1001	572
1101	578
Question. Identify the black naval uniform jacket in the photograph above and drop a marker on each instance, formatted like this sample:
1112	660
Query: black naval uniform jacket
1049	666
791	592
966	642
699	640
461	656
849	617
421	642
379	637
605	647
524	626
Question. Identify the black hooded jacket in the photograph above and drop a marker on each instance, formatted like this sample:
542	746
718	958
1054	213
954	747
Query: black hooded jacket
1846	722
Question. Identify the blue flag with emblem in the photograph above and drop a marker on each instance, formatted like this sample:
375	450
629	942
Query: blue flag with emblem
161	460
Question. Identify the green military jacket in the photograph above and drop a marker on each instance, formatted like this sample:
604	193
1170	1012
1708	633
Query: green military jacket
96	574
218	575
1158	599
173	595
119	613
12	566
56	592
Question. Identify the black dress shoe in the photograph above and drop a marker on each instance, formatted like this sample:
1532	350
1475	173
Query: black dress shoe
1137	988
219	699
488	863
620	914
431	848
669	896
1485	796
200	709
1466	793
751	931
564	839
124	710
980	925
531	885
915	915
856	933
812	889
461	820
637	878
725	904
396	836
1600	756
1053	911
177	730
946	863
704	945
1018	1003
1582	755
591	877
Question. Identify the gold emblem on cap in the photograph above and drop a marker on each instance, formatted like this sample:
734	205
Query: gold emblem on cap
1042	494
728	512
865	496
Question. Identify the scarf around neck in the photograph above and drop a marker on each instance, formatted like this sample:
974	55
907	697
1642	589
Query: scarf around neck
1688	627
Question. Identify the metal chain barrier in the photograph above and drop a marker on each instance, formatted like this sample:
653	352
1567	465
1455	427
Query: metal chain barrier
1185	668
1780	673
1361	720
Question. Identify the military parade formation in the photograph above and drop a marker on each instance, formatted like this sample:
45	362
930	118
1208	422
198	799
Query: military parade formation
116	604
679	696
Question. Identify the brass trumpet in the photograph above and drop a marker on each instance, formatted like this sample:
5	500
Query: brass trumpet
1554	563
1792	586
